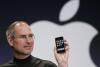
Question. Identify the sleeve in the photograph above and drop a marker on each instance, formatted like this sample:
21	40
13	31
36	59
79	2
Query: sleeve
43	63
46	63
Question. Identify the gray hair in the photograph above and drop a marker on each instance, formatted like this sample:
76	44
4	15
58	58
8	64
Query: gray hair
10	31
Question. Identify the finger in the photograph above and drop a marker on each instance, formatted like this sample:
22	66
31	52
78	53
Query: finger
66	48
55	51
66	45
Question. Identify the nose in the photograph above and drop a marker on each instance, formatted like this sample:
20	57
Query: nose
28	39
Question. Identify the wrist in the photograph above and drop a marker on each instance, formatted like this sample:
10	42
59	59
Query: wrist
62	65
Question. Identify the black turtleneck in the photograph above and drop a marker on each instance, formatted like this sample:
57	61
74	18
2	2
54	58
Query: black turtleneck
29	62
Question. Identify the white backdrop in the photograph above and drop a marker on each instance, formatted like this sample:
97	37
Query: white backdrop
78	33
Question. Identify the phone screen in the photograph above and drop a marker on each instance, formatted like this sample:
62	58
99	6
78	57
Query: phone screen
60	44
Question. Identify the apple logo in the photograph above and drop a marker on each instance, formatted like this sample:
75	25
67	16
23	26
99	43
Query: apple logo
78	33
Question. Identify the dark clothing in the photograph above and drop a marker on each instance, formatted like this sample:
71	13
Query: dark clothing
29	62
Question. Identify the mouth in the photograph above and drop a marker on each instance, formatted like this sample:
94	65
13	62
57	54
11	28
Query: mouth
28	47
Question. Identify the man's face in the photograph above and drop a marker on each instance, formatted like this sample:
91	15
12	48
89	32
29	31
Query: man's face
23	39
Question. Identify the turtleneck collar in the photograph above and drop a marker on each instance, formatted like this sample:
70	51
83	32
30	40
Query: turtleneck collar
21	61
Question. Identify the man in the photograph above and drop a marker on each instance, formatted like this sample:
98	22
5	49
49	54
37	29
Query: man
20	38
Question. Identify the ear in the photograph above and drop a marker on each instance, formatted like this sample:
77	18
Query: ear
10	41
